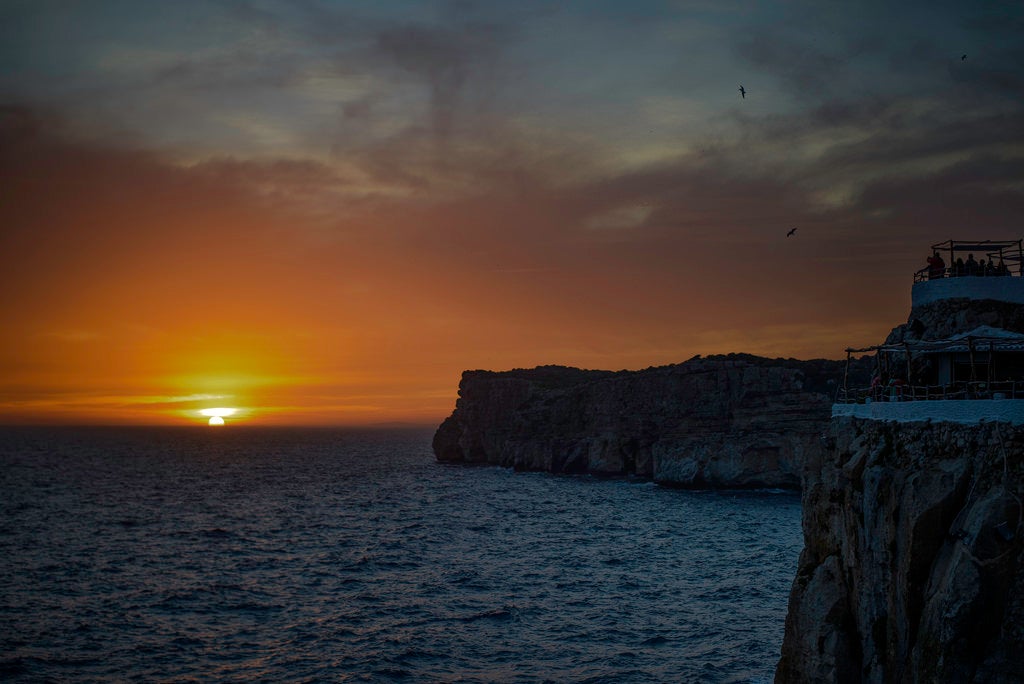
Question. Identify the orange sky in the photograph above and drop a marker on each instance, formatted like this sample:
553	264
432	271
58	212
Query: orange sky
138	286
346	271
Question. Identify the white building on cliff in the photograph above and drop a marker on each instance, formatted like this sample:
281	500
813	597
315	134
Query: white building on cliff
960	358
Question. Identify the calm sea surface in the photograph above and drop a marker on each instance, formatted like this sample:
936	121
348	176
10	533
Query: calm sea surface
309	555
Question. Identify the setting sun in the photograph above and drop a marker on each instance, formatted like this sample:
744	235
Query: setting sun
217	415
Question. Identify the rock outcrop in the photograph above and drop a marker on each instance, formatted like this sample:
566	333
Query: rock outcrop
725	421
913	561
912	566
942	319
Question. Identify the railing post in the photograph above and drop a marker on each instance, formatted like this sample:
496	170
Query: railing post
846	373
991	363
906	350
970	351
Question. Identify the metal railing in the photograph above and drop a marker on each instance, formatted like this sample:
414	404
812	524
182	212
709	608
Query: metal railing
997	389
926	273
1008	254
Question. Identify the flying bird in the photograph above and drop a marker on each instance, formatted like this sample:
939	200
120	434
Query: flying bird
963	57
743	92
791	232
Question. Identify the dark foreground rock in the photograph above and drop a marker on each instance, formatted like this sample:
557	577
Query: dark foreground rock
722	421
913	560
912	565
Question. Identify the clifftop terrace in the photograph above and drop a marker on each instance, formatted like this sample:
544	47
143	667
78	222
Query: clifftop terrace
960	360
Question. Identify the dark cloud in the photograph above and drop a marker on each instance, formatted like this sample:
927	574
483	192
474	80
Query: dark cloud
446	58
896	173
836	113
899	138
239	69
809	70
20	123
458	51
990	75
977	197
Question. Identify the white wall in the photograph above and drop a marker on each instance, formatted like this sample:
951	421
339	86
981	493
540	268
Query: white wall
950	410
1003	289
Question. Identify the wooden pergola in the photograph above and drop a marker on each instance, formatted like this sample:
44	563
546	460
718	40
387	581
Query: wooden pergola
969	343
1007	251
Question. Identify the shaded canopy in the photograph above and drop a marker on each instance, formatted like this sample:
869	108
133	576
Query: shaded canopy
983	337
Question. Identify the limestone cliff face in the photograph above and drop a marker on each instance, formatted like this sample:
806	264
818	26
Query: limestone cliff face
912	566
724	421
942	319
913	541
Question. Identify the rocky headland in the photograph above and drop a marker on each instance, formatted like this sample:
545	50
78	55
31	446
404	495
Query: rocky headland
723	421
913	560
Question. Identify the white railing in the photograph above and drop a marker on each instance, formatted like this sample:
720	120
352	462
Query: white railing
997	389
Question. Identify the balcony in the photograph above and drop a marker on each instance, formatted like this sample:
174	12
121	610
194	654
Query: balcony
995	275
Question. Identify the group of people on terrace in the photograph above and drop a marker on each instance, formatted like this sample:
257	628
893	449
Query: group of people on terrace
936	267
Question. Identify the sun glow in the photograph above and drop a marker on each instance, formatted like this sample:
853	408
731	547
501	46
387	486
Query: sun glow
217	415
218	412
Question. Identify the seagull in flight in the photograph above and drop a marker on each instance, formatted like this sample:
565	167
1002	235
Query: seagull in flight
743	92
791	232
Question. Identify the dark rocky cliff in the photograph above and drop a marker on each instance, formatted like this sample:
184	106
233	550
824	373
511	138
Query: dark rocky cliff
722	421
912	566
948	317
913	560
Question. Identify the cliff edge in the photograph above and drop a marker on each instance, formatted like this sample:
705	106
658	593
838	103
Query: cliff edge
723	421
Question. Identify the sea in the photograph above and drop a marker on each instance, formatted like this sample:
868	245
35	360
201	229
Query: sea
243	554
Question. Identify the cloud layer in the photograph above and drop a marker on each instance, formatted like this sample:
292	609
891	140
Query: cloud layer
329	212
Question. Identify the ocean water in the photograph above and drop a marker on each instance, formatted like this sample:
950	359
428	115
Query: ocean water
341	555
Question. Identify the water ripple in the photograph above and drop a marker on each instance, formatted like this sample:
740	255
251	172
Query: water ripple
239	555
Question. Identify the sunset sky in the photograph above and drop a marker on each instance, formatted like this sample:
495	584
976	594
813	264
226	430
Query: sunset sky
322	212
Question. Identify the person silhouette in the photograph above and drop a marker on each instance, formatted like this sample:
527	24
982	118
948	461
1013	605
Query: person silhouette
971	265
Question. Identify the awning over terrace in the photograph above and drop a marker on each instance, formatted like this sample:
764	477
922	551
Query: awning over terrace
982	338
